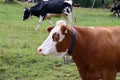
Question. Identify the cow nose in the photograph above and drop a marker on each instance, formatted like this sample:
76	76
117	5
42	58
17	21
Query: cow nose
39	50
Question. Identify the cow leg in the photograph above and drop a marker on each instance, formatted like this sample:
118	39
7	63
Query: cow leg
116	15
39	22
50	21
68	12
69	17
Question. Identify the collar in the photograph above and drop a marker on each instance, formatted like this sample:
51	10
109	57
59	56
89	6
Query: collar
73	41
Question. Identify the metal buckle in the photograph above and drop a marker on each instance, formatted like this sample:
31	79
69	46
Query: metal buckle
68	59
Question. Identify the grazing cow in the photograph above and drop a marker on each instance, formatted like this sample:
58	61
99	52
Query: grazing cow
47	9
95	50
116	9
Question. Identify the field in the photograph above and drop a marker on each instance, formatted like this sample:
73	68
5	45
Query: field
19	41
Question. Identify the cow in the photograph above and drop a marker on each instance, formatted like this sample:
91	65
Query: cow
50	8
95	50
116	9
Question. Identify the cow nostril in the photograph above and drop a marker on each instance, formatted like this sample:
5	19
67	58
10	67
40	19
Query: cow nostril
40	50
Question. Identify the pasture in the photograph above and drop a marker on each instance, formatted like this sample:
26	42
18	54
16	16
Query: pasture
19	41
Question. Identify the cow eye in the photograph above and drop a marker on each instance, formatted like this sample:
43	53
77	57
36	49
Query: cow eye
55	37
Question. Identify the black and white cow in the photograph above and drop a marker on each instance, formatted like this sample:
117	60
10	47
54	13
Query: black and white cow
116	9
47	9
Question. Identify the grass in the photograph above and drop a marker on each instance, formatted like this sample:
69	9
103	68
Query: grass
19	41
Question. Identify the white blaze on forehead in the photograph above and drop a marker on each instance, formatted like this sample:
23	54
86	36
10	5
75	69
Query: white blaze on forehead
58	28
49	46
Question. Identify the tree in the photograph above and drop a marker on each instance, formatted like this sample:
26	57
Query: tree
113	1
103	3
93	3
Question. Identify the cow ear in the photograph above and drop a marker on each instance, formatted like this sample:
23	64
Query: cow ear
24	8
27	8
64	29
50	28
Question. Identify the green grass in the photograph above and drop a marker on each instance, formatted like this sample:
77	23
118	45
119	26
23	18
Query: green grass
96	17
19	41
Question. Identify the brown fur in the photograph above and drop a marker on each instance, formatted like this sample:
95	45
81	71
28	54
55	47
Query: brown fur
96	52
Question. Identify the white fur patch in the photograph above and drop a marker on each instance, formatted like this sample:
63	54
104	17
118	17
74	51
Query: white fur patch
45	0
68	1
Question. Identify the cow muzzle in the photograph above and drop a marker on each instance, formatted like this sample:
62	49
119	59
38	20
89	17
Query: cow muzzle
40	51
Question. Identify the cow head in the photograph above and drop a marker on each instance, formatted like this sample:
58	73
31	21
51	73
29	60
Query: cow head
58	41
26	14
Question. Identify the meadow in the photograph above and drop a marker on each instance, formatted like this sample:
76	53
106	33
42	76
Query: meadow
19	41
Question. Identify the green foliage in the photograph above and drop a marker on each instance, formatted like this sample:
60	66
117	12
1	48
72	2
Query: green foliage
19	41
88	3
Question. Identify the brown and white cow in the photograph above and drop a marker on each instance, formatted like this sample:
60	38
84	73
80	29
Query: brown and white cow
96	51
